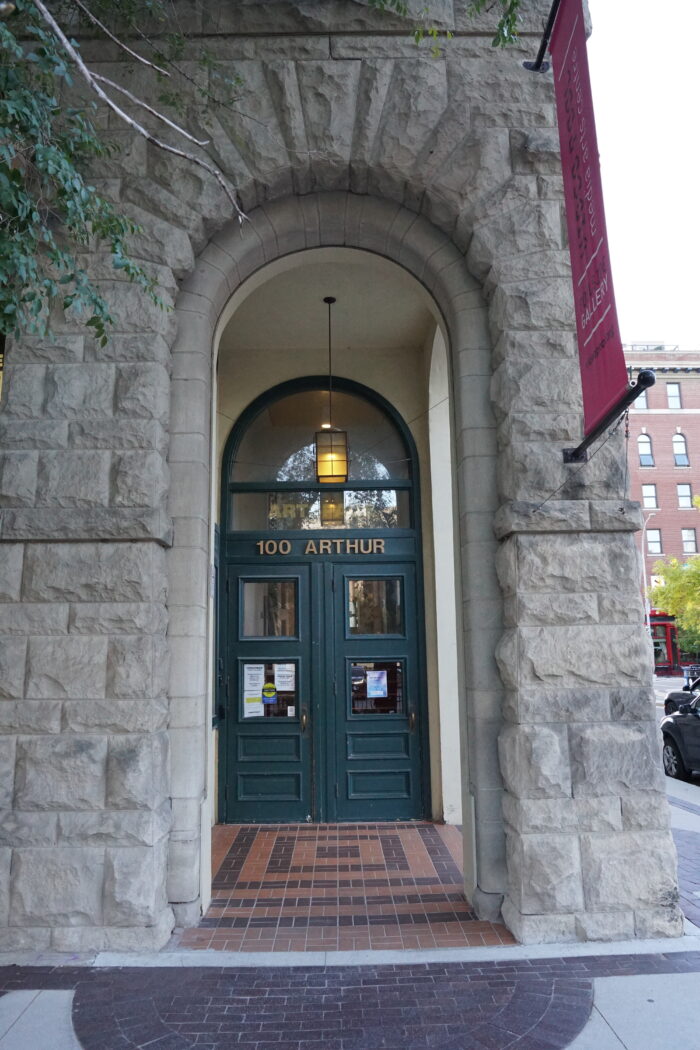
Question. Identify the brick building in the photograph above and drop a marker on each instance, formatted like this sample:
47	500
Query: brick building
664	452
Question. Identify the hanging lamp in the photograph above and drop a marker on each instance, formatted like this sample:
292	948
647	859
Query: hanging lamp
331	443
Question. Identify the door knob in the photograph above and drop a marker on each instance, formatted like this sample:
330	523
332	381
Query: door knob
304	720
412	721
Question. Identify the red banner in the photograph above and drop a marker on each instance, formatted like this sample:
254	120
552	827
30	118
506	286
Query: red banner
602	363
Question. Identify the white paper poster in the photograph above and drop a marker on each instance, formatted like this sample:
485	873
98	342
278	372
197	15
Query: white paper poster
252	705
285	677
253	678
376	683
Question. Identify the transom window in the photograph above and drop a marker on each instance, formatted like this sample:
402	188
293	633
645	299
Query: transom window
673	395
649	495
273	484
680	451
646	456
654	541
685	497
690	545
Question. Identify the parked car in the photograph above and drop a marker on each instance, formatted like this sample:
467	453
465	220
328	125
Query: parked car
676	697
681	740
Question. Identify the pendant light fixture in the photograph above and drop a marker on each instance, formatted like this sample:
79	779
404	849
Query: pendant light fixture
331	444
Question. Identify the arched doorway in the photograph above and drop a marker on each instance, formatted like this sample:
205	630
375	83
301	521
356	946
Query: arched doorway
322	687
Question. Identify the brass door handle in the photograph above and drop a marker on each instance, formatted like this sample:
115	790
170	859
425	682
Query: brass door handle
412	721
304	720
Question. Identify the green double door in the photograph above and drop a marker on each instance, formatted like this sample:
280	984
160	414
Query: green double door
322	692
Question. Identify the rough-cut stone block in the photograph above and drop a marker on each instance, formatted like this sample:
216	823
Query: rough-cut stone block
55	773
11	559
95	572
139	479
130	661
115	716
59	347
137	769
73	479
605	926
7	771
25	618
122	828
13	653
143	391
614	759
593	563
536	150
183	867
23	391
134	885
71	667
79	391
629	870
538	929
553	516
541	815
540	703
116	618
551	609
633	705
534	761
115	938
18	473
118	434
571	655
61	887
658	922
27	829
32	434
544	873
30	716
645	811
5	862
616	515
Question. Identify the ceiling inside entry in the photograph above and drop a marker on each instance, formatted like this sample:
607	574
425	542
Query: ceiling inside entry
379	306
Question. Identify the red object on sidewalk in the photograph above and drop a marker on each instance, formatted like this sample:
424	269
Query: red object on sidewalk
601	359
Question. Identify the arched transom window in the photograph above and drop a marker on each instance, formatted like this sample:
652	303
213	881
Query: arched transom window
273	471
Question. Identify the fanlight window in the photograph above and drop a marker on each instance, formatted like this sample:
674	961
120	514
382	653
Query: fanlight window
680	451
646	456
274	481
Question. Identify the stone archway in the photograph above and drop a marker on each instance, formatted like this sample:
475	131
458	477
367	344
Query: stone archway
231	264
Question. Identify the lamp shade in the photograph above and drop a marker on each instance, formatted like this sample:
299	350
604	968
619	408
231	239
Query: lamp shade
332	456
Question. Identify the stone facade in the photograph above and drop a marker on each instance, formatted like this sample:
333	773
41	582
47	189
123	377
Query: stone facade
449	167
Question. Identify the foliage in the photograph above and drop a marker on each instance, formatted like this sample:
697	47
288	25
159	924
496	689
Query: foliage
679	595
50	212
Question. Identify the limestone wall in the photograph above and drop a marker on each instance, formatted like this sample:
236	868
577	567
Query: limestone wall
449	167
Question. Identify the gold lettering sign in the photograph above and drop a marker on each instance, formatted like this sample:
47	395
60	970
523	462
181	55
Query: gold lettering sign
362	546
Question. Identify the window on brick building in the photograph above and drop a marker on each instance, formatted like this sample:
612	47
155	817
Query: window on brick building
646	456
673	395
680	451
653	541
690	545
641	400
685	497
649	496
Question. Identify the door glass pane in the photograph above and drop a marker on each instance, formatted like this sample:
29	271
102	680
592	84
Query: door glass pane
374	606
335	509
269	609
269	690
377	687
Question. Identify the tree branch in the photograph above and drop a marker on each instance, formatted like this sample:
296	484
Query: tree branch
117	41
156	113
89	77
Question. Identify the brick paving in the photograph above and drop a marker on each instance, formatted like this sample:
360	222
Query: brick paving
339	887
539	1004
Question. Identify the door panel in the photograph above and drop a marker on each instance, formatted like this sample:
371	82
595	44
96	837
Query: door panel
377	678
268	641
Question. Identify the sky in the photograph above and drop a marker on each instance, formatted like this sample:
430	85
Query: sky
646	87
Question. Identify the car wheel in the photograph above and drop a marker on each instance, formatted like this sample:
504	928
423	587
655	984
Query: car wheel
670	707
673	763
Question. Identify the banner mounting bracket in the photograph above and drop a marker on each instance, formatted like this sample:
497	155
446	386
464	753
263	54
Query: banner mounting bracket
645	379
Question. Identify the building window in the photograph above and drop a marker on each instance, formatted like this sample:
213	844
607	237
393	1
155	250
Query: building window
641	400
673	395
649	496
685	497
653	541
680	451
646	457
690	545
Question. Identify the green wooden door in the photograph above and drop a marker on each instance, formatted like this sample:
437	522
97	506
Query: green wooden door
268	668
377	685
324	700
